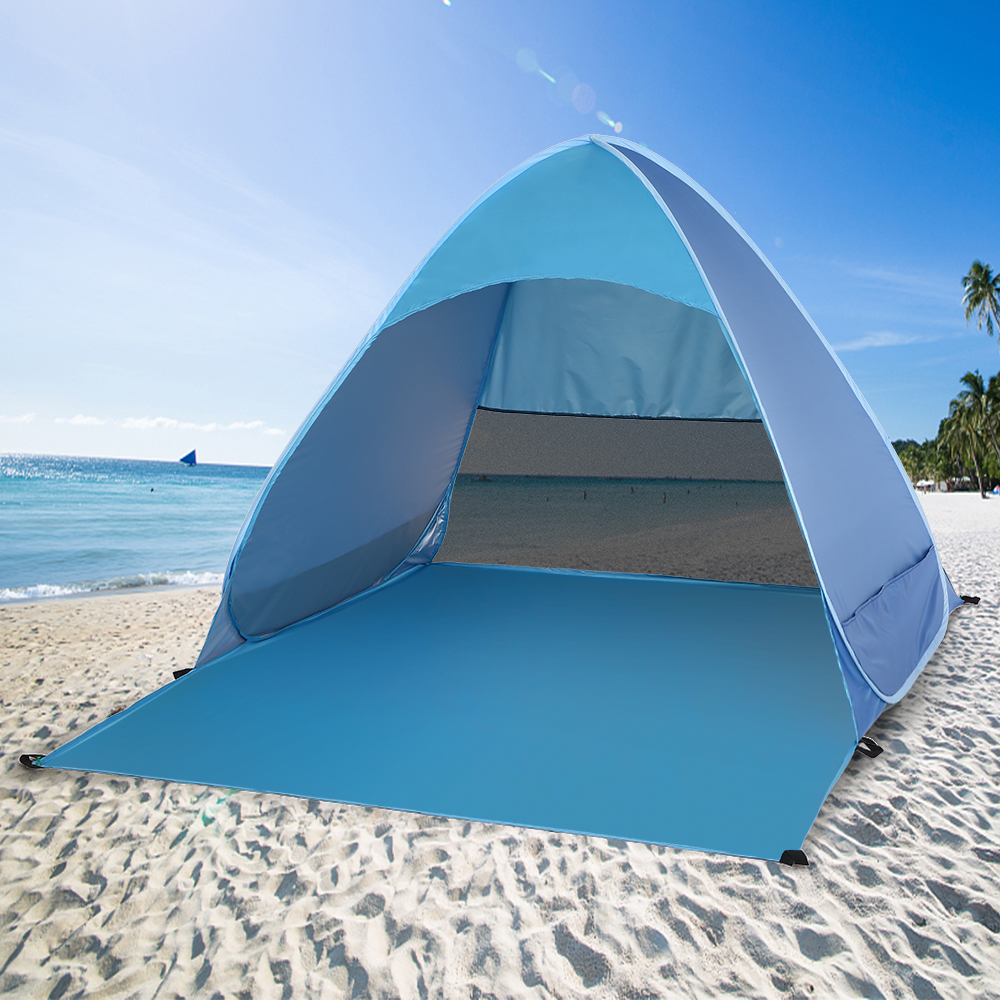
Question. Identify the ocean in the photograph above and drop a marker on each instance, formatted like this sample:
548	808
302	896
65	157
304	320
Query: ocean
79	525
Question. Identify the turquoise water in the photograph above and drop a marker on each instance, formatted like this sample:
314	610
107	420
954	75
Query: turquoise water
73	525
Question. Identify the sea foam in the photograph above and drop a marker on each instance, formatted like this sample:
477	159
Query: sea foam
41	591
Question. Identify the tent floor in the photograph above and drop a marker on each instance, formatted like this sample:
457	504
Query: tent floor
661	710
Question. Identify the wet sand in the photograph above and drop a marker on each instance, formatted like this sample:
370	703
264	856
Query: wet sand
137	888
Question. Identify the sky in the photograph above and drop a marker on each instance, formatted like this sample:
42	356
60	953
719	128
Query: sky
203	207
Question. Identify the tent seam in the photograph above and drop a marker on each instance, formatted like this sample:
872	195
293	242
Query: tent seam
513	280
624	416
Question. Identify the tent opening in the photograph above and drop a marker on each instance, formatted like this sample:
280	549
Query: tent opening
617	433
699	499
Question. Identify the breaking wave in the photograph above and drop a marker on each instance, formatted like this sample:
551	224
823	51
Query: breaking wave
43	590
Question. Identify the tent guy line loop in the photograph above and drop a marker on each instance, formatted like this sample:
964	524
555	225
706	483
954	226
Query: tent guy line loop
794	859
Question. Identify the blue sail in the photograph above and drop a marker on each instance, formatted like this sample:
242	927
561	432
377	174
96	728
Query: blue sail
189	458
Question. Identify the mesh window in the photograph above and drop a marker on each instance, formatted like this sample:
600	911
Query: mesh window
701	499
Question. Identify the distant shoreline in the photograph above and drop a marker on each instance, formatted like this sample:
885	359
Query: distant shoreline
118	458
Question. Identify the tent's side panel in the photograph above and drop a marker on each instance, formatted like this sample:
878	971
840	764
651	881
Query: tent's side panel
871	546
369	474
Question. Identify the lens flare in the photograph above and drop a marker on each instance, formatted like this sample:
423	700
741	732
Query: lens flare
566	84
568	88
606	119
527	61
584	98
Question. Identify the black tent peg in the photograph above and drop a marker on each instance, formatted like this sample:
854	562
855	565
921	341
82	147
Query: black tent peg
968	599
868	747
30	760
792	858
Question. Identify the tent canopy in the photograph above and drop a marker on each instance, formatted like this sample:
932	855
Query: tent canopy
597	308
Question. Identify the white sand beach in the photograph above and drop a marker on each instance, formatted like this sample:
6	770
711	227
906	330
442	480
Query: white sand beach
117	887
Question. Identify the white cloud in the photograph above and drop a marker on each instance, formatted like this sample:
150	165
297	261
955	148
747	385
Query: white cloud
911	284
24	418
147	423
81	421
168	423
882	338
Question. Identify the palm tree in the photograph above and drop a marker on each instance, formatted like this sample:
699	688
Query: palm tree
960	432
982	296
983	404
931	464
909	458
949	448
993	413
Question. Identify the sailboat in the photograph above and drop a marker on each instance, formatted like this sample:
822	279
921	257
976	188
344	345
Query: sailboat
189	458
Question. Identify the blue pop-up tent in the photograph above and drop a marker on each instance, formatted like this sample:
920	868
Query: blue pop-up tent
502	572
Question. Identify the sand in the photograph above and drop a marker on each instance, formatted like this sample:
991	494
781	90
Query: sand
745	532
129	888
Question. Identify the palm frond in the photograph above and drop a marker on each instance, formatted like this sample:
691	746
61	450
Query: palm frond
982	296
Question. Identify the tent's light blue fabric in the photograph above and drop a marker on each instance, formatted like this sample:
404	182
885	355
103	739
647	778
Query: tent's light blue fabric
866	705
358	492
873	630
581	346
426	548
699	714
858	512
222	635
641	707
951	595
579	213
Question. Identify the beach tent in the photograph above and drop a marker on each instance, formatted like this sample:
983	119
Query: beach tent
460	591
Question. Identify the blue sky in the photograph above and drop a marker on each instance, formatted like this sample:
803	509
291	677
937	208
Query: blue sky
204	206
